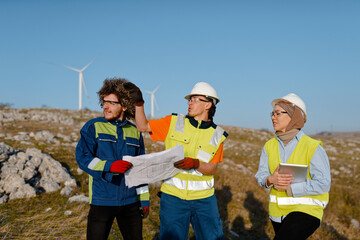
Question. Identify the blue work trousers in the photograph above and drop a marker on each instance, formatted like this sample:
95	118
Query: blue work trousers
176	215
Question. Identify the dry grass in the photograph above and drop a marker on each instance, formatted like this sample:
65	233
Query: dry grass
242	203
43	217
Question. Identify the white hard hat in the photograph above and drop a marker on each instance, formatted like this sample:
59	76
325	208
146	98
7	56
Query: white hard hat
292	98
204	89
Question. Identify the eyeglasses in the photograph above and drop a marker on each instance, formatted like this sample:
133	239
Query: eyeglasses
277	113
196	99
112	103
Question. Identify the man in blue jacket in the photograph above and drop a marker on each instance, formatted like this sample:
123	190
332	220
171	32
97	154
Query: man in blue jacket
103	143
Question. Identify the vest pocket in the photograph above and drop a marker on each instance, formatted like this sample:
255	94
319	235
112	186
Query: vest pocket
106	138
106	146
206	152
132	146
180	138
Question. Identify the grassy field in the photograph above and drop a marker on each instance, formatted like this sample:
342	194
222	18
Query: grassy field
242	203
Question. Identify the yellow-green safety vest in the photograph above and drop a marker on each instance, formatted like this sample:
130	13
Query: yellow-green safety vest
280	204
198	143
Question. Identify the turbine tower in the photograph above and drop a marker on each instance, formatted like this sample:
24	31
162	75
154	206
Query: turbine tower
153	100
81	81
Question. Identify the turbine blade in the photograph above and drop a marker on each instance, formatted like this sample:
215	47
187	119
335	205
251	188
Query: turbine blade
71	68
147	91
86	92
88	65
156	89
156	104
57	64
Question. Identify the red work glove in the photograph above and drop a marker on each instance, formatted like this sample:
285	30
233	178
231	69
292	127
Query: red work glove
187	163
120	166
144	212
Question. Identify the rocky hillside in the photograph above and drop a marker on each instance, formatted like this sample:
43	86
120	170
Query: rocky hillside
43	194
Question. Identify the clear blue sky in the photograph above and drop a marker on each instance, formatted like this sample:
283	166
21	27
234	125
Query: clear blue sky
250	51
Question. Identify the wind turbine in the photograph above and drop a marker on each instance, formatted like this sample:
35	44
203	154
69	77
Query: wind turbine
152	100
81	81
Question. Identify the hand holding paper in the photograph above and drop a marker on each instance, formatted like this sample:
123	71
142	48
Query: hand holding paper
153	167
120	166
187	163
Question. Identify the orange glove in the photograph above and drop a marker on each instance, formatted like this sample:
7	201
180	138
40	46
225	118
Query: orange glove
187	163
120	166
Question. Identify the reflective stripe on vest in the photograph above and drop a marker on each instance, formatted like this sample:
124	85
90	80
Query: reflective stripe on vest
297	200
217	136
280	203
191	185
198	143
180	123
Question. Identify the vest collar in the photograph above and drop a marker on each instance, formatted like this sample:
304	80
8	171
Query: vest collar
203	124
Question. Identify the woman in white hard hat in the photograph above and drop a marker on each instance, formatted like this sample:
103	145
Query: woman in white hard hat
295	208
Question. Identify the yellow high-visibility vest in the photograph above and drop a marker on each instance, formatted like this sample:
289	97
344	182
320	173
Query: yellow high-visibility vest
200	143
280	203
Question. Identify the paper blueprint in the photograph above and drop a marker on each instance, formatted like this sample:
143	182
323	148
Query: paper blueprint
153	167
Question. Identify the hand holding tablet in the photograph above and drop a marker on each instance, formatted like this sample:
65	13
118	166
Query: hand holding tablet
299	172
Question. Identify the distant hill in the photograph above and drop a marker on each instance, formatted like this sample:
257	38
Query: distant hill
344	135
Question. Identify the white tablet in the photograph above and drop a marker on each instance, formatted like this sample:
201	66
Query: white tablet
299	172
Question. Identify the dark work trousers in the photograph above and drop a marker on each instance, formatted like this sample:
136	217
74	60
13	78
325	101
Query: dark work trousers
101	218
295	226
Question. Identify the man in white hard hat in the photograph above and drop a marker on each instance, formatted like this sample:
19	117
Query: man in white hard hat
189	197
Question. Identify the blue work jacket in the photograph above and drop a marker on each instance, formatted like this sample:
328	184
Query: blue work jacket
101	143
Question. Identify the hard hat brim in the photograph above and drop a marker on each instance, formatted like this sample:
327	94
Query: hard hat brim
188	96
275	101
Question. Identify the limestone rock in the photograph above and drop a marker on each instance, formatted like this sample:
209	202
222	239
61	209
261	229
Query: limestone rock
25	173
79	198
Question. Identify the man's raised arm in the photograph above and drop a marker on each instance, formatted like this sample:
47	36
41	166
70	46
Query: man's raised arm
140	119
142	124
